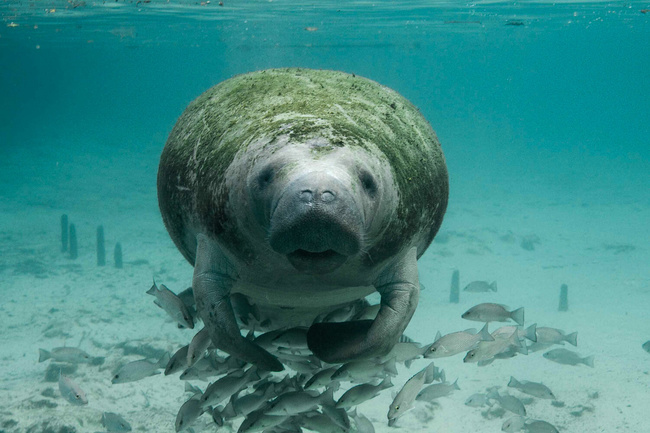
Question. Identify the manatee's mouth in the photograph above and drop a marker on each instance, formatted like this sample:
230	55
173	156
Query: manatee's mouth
318	262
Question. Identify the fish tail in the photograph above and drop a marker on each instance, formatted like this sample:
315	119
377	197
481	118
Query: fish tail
163	361
531	333
588	361
153	289
455	385
493	286
572	338
514	383
518	316
43	355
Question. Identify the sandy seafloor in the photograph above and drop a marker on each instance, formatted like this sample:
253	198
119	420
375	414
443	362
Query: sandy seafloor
593	237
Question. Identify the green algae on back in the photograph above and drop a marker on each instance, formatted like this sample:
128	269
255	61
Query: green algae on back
303	105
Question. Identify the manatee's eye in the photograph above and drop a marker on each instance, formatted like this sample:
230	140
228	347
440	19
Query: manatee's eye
368	182
265	177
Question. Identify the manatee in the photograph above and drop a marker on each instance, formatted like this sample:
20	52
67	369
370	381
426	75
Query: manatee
304	191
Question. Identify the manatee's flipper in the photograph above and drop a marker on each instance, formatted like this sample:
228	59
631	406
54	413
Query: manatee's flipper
400	290
212	282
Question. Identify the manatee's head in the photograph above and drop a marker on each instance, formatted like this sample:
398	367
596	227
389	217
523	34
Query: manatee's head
320	203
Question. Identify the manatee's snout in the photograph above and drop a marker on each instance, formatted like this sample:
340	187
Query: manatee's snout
316	223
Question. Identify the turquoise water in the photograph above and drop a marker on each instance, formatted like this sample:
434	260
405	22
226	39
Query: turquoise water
542	109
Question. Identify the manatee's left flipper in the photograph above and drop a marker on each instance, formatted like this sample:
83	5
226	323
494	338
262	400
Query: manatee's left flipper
212	282
399	287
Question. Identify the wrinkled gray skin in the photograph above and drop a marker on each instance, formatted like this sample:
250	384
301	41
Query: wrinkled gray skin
304	191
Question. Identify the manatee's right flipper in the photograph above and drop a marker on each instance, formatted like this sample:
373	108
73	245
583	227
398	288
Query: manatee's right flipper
399	288
212	282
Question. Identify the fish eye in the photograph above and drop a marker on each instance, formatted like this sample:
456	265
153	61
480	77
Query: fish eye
397	407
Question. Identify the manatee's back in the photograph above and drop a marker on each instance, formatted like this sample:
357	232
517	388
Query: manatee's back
351	110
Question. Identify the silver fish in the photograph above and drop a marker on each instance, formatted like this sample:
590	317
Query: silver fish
369	313
321	379
537	426
258	421
223	388
71	355
362	423
360	393
566	357
646	346
514	424
547	335
172	304
532	388
364	371
404	399
508	402
476	400
481	286
188	413
71	391
489	349
489	312
292	338
437	390
199	344
339	416
320	422
177	362
113	422
405	352
456	342
529	333
295	402
246	404
140	369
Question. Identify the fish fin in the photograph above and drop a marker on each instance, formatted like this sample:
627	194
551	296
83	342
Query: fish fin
438	336
455	385
518	316
153	289
484	362
327	397
163	361
391	366
531	333
493	286
588	361
408	363
514	383
485	334
442	376
572	338
386	383
43	355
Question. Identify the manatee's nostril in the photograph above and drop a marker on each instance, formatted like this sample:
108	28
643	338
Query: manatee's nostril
327	196
306	196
